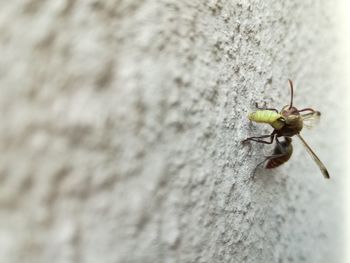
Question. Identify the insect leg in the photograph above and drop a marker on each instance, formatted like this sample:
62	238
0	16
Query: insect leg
264	107
258	138
259	164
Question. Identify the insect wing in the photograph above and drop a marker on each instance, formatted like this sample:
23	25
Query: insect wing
316	159
311	119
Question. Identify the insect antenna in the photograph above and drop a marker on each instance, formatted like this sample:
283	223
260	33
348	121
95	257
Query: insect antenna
309	109
291	93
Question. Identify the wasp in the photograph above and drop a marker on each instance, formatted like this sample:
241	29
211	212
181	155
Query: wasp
287	123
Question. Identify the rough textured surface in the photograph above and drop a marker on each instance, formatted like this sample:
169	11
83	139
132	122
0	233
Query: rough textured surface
121	129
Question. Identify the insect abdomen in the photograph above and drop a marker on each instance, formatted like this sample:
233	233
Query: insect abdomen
275	162
267	116
285	151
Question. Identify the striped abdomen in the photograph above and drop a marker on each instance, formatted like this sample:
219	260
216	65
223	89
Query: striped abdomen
267	116
282	153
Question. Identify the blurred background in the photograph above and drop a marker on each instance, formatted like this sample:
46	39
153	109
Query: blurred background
122	122
345	27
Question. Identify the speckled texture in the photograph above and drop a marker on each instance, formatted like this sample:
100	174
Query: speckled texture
121	124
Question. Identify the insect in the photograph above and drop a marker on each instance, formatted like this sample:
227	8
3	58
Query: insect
288	122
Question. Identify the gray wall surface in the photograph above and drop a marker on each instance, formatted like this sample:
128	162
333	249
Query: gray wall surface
121	124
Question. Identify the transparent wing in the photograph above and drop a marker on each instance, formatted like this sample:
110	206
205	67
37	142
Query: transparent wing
316	159
311	119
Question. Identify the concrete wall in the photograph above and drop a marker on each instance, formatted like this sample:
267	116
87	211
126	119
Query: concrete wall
121	124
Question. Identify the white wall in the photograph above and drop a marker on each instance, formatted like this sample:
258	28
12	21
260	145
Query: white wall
121	124
344	30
